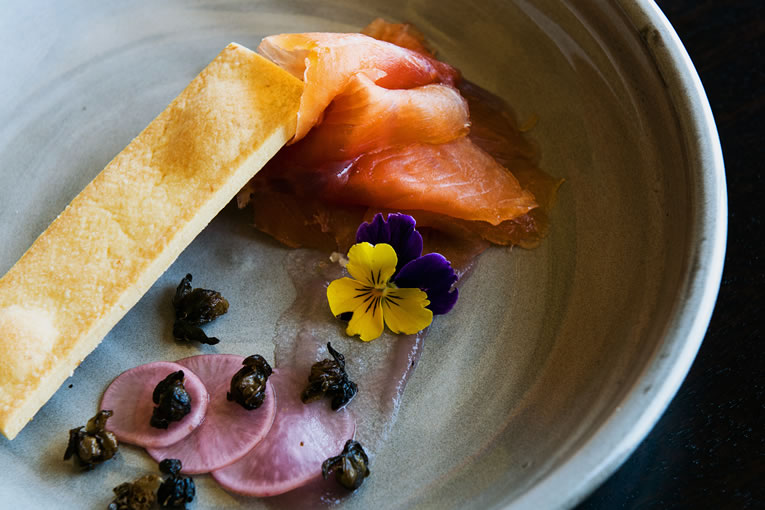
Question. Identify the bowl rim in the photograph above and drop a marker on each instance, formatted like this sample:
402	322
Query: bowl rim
646	400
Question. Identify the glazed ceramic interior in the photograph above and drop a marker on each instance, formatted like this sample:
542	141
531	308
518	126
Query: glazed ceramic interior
557	361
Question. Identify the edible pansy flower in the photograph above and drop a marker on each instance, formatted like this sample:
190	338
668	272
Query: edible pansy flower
391	283
373	299
432	273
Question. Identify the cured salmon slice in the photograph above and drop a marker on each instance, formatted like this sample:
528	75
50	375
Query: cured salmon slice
327	62
455	179
366	117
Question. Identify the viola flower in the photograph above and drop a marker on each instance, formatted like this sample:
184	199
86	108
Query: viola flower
391	283
432	273
373	299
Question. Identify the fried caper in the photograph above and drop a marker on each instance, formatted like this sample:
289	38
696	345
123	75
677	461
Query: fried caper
172	399
193	308
351	467
176	490
94	444
137	495
328	377
248	386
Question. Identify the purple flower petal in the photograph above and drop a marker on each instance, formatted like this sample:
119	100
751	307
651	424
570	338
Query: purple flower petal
398	231
433	274
376	231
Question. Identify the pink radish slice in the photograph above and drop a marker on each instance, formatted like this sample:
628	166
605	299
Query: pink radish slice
229	430
129	396
303	436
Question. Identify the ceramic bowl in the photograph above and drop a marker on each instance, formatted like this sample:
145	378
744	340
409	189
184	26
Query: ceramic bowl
558	360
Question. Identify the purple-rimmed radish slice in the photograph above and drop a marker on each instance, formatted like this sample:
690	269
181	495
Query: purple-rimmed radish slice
229	430
302	437
130	397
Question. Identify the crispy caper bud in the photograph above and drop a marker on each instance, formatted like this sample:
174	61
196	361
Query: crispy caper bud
351	467
198	306
248	386
172	399
170	466
328	377
138	495
176	490
193	308
92	444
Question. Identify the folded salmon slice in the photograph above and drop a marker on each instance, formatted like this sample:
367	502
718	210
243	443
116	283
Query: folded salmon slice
367	117
455	179
327	62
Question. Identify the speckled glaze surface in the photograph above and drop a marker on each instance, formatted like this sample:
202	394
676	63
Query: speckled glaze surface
556	362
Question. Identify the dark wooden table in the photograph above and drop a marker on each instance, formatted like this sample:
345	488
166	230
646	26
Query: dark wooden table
708	450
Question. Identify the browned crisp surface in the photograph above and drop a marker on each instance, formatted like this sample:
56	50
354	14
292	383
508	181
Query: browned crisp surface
128	225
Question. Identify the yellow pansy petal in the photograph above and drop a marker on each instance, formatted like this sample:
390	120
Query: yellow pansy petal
367	320
404	310
345	295
372	265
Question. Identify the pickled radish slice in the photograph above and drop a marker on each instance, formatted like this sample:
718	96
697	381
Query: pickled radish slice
130	397
229	430
302	437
